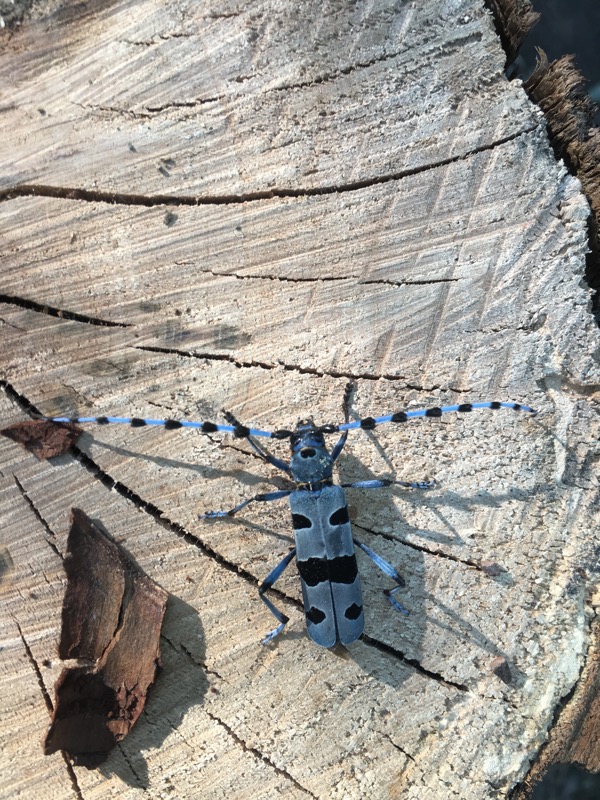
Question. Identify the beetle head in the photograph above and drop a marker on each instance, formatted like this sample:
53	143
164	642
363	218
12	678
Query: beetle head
311	461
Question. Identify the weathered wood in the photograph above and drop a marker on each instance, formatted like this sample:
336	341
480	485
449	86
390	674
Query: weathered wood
574	737
311	193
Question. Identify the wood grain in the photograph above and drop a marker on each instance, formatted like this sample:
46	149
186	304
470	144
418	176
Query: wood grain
243	205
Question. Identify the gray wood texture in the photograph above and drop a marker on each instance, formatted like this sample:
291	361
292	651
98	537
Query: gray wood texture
263	200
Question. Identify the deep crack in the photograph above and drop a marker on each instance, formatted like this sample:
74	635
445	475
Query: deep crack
412	662
61	313
127	199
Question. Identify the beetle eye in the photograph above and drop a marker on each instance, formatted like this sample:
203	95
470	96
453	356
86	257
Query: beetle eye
307	452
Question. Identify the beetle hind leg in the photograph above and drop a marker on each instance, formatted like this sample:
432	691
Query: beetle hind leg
388	570
389	593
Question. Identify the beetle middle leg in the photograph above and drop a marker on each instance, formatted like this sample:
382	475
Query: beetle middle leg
268	582
258	498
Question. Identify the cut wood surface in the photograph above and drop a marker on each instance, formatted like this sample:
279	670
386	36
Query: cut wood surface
243	206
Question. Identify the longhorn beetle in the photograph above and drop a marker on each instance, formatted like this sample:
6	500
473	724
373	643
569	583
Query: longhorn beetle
324	548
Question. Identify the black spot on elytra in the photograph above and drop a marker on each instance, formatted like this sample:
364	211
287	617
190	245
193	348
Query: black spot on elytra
342	569
315	615
353	611
339	517
299	521
313	571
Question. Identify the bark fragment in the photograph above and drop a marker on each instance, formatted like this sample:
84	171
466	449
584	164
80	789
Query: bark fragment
42	438
112	615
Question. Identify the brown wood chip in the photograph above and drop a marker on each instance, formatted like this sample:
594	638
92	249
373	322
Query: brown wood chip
112	615
42	438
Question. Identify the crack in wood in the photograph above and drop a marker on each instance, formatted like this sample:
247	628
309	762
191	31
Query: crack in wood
50	536
385	282
4	321
150	111
20	399
73	777
130	199
401	749
280	278
331	77
325	78
366	376
35	667
60	313
48	702
182	104
138	778
159	516
202	664
486	569
412	662
161	37
525	328
255	752
263	364
181	648
321	278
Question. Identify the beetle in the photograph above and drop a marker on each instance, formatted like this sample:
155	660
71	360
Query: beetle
324	544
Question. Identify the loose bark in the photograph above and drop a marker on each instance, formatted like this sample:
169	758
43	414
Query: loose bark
111	619
243	206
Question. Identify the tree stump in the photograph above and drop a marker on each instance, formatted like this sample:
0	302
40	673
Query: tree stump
245	205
